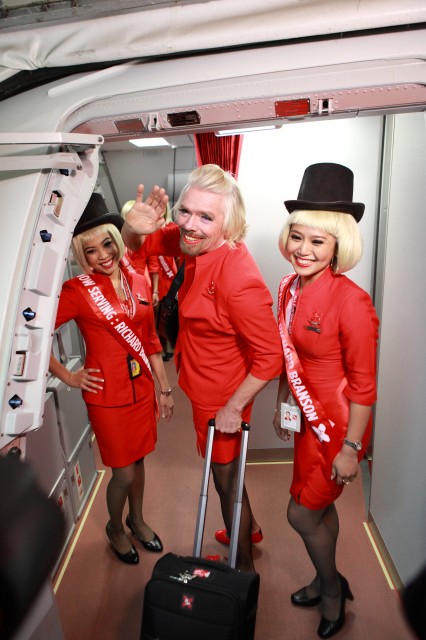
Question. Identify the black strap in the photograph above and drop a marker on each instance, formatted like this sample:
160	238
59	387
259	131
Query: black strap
176	283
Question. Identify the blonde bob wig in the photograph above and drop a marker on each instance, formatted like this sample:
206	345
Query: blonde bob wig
342	226
126	208
80	242
210	177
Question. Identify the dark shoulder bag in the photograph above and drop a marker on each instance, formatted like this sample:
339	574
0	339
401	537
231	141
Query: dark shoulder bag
167	315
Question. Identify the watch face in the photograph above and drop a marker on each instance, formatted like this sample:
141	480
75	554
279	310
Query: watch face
355	445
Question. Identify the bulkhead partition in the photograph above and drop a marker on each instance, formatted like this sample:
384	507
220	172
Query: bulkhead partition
46	181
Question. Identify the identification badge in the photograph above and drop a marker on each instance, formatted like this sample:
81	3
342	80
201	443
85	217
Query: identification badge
134	367
290	417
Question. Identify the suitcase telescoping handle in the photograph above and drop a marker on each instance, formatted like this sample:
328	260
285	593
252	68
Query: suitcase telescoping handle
202	505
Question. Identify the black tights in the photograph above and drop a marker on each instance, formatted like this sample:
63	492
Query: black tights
225	480
319	531
127	483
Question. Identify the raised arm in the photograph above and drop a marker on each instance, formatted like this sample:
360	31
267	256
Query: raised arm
144	217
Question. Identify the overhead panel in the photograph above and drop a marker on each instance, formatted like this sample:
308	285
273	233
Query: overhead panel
274	110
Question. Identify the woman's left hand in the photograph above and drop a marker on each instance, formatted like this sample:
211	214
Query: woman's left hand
345	467
155	299
166	407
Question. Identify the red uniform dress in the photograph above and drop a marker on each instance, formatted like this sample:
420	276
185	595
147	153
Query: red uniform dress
123	414
339	361
144	265
226	331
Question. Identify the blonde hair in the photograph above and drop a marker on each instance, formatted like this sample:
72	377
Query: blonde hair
126	208
80	242
210	177
342	226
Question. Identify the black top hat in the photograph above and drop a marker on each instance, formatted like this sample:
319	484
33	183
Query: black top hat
327	187
95	214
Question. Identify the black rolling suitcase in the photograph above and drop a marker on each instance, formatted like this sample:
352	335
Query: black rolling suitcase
190	598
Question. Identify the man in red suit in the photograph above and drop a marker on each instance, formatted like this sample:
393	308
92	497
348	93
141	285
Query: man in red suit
228	346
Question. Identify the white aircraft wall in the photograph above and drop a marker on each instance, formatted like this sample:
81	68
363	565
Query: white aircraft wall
398	503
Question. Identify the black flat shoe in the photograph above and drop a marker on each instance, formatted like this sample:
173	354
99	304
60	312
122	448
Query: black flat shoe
329	628
131	557
300	599
154	545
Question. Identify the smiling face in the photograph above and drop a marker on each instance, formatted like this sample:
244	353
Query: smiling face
200	218
310	251
102	254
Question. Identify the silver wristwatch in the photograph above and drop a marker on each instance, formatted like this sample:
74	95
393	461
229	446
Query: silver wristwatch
355	445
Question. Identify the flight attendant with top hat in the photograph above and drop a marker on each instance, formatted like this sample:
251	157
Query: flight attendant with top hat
110	304
329	331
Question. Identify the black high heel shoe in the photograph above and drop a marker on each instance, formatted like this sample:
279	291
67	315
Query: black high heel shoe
131	557
154	545
329	628
300	599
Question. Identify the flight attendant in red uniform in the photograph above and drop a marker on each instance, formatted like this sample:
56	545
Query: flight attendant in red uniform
329	332
110	303
228	346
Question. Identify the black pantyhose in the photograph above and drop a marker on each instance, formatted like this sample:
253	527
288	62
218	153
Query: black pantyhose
127	483
319	531
225	480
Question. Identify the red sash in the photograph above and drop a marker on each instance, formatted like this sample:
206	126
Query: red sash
299	385
99	293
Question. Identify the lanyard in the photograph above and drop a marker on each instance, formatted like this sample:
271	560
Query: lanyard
294	289
128	304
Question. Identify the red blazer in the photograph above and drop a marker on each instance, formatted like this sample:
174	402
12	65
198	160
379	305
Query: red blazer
226	325
102	349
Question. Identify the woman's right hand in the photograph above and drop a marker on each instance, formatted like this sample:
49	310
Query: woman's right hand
83	379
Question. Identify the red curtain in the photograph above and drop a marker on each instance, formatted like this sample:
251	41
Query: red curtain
224	151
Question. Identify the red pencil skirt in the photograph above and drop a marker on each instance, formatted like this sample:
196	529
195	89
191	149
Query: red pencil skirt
125	434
